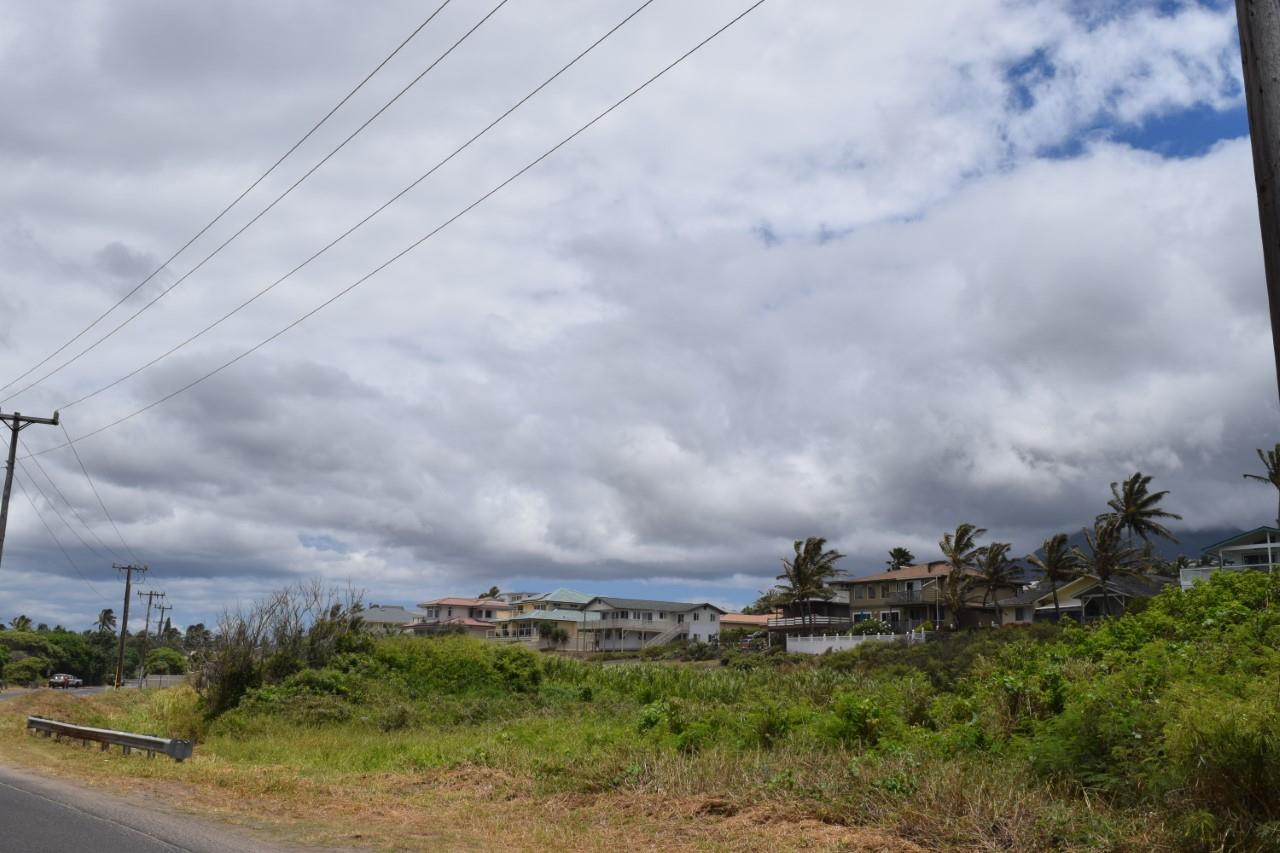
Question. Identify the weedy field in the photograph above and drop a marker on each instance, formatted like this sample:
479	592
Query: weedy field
1157	730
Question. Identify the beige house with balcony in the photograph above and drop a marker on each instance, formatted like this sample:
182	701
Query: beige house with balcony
909	597
536	618
474	616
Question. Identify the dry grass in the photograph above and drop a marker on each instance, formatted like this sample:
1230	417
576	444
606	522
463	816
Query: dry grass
460	808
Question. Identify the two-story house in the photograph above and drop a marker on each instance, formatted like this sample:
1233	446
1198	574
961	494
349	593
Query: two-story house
909	597
627	624
475	616
562	609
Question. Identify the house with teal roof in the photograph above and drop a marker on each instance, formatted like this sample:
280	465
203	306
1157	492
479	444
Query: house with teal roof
548	620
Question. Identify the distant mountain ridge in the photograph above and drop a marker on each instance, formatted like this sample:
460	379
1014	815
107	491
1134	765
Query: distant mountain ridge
1190	542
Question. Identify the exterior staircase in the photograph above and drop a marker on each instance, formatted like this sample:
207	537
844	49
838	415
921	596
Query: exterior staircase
677	630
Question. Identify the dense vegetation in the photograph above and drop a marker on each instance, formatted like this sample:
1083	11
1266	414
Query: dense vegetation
29	653
1158	728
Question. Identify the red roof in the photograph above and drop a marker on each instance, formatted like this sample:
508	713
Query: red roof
491	603
906	573
745	619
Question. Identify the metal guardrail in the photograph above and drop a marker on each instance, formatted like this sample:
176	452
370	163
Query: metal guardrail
178	750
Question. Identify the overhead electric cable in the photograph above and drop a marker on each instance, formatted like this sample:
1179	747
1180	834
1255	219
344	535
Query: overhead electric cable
35	485
71	506
461	213
166	291
55	539
335	241
96	494
233	203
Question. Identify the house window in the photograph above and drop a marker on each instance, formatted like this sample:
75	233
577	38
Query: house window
695	617
1019	614
711	616
858	592
648	616
861	616
662	614
679	618
871	592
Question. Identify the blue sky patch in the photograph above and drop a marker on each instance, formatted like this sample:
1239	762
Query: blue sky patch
1186	133
322	542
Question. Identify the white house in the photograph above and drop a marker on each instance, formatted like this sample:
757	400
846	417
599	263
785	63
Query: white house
627	624
1257	550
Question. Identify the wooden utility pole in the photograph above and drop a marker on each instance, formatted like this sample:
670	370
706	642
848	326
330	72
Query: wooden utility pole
1259	23
124	622
17	423
150	596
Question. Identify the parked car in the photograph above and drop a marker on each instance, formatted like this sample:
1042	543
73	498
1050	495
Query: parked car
64	680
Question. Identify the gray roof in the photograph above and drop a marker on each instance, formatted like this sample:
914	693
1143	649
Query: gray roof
564	595
389	615
648	604
1132	586
1234	539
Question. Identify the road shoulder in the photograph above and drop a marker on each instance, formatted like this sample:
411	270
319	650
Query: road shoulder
143	815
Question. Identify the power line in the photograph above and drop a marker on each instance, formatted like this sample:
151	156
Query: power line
461	213
96	494
57	541
463	147
226	210
71	506
35	485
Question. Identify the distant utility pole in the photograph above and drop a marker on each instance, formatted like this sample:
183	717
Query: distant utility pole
124	622
1259	23
150	596
17	423
161	610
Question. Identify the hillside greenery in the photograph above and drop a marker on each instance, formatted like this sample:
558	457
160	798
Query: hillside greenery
1159	729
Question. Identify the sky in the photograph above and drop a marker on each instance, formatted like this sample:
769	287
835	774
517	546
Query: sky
850	270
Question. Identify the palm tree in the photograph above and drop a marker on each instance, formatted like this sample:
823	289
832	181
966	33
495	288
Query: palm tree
21	623
1108	556
1137	510
1271	462
807	574
961	551
491	593
106	620
899	557
1058	564
995	570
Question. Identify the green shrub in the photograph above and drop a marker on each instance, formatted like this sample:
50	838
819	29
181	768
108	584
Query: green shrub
519	668
1222	753
26	670
858	721
166	661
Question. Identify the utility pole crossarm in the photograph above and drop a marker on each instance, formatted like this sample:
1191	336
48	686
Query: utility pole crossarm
17	422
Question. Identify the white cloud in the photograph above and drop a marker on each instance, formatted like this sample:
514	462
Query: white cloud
606	372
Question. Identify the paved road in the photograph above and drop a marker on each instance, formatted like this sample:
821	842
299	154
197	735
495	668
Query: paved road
41	815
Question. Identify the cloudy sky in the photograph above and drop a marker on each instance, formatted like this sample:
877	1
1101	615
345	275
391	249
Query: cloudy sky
855	270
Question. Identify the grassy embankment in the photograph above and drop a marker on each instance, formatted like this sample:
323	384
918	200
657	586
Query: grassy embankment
1159	730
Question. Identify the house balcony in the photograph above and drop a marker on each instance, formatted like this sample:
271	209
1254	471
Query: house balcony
784	623
912	596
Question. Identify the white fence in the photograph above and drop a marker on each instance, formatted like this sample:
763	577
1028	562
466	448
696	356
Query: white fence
840	642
